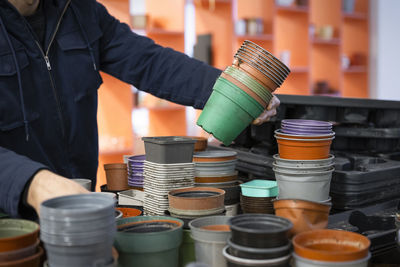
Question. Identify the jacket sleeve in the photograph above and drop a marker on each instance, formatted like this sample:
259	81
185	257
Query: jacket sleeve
15	172
163	72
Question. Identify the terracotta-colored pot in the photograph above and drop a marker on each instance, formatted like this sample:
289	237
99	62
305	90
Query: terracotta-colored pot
217	227
185	198
16	234
305	215
215	179
35	260
304	149
117	176
331	245
201	143
129	212
293	136
257	75
244	88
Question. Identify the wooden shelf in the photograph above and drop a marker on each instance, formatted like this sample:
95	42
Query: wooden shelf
259	37
355	15
333	41
293	9
355	69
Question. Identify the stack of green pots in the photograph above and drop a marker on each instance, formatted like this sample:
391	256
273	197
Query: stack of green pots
242	92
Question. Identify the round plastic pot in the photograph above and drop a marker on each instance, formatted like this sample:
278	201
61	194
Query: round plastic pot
308	170
258	253
251	83
100	254
34	260
216	179
305	215
17	234
303	262
129	212
196	198
241	262
223	118
86	183
77	208
258	75
151	248
186	250
286	131
214	156
331	245
304	149
260	230
306	123
19	253
303	163
329	134
306	186
210	235
117	176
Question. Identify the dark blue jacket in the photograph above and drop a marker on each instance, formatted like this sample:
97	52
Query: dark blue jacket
48	96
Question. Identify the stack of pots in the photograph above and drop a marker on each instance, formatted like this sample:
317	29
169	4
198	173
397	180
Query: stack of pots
258	240
19	243
304	167
331	248
210	235
216	168
242	92
78	230
168	166
148	241
258	195
135	170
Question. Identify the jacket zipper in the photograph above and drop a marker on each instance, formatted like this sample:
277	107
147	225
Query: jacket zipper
48	65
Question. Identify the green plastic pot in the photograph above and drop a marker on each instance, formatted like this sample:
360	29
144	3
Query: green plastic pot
255	86
186	250
147	249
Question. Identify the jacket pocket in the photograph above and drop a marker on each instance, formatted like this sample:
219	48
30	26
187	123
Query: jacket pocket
10	103
83	78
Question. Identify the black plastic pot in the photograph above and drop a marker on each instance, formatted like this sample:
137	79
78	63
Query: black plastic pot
258	253
260	230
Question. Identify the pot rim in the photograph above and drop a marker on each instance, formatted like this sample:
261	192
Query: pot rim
300	173
302	168
335	256
304	140
303	205
259	250
267	217
279	131
18	237
252	262
338	263
113	166
189	189
38	254
277	157
176	221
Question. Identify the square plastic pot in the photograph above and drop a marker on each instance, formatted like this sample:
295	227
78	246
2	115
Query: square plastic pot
169	149
260	188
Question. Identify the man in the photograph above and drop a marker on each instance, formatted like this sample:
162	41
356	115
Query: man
51	52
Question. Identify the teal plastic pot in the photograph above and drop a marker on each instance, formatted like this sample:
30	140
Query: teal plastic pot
186	250
151	246
228	112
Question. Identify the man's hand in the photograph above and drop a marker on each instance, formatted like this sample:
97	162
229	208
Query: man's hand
269	112
46	185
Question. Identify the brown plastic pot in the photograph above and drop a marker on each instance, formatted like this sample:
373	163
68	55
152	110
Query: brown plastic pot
331	245
215	179
129	212
257	75
246	89
34	260
196	198
304	149
16	234
201	143
305	215
19	253
117	176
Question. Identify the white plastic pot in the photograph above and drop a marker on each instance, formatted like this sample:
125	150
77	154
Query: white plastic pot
303	262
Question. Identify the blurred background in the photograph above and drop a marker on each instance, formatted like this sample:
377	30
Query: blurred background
342	48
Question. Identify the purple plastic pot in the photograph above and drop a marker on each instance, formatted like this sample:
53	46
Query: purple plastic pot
137	159
305	132
307	123
302	128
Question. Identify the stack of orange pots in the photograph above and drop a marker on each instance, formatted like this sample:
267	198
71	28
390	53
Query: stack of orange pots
303	170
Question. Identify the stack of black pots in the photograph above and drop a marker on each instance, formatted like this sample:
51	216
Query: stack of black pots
258	240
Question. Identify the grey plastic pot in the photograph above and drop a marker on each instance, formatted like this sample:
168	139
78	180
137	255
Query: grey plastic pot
209	243
96	255
303	163
147	249
308	170
236	261
307	186
303	262
86	183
